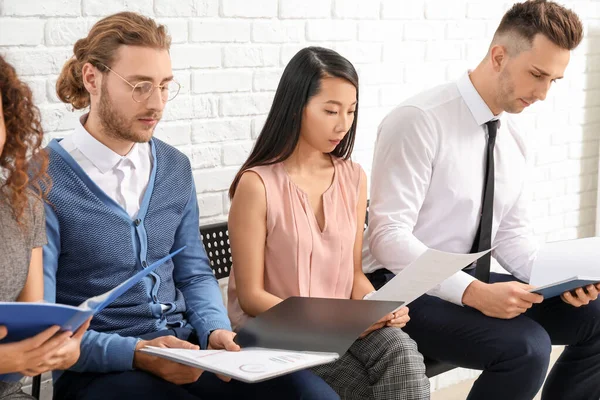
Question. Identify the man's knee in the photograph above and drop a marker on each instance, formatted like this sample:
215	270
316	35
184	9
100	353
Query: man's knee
532	347
589	324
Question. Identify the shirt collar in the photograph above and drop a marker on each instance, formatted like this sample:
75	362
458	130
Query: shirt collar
480	111
101	156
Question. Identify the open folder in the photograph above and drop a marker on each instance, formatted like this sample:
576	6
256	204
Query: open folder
249	365
298	333
565	266
24	320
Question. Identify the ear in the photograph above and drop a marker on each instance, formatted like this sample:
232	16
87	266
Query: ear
92	79
498	57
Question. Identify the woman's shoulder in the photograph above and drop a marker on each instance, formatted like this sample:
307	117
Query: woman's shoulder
270	176
36	209
348	169
31	215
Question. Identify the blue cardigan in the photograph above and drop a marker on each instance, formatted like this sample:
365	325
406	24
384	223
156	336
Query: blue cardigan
93	245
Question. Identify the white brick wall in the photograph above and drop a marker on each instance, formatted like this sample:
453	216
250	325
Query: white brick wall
229	54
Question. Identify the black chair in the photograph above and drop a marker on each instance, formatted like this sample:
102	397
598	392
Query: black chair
36	385
216	243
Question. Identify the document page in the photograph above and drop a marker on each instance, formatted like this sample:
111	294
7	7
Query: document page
247	365
425	273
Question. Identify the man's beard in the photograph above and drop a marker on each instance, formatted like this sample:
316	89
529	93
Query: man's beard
506	93
116	125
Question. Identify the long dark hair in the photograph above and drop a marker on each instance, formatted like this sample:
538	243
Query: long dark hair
301	80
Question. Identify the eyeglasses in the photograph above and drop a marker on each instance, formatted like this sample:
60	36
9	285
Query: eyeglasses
142	91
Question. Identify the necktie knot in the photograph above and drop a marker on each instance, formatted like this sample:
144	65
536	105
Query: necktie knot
493	126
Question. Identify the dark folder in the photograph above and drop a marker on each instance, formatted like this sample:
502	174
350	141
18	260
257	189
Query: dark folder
313	324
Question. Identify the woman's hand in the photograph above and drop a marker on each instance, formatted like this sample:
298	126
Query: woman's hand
400	318
377	325
46	351
28	354
65	356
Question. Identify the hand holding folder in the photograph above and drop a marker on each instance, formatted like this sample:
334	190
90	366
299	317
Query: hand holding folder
25	320
564	267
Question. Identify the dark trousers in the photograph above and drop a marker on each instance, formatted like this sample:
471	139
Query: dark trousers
139	384
513	354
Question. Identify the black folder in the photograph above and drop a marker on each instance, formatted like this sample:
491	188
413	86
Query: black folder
313	324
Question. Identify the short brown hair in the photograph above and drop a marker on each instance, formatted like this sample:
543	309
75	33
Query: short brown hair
557	23
99	47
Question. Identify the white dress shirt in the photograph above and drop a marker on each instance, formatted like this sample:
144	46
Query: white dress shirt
123	178
427	186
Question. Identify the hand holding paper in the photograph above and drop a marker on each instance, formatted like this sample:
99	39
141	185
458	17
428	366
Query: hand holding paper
429	270
221	339
171	371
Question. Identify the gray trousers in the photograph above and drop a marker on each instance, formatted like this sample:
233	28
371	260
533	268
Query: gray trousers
385	365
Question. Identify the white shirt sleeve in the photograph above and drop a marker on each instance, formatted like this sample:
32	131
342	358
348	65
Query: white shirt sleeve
403	163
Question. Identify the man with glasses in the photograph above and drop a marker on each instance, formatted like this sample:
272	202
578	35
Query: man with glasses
121	200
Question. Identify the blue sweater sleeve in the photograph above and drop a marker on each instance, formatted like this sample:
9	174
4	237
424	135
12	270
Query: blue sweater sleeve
100	352
194	277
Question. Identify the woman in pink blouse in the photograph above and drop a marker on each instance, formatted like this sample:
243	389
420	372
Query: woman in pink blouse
296	224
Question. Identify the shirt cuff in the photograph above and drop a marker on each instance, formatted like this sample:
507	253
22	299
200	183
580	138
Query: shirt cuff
122	352
453	288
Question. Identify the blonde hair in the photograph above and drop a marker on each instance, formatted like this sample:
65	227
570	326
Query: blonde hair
99	47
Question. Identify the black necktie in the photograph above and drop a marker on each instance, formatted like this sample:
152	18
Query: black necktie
483	237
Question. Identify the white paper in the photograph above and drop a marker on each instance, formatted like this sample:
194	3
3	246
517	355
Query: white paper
558	261
248	365
425	273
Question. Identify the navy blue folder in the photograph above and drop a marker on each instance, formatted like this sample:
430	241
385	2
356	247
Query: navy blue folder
558	288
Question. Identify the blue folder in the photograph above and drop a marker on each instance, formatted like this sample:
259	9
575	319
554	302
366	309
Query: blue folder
24	320
558	288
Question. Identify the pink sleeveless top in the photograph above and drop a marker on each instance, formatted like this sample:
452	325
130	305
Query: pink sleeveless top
300	259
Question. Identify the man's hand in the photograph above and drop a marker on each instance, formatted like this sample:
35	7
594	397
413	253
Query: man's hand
221	339
170	371
582	297
505	300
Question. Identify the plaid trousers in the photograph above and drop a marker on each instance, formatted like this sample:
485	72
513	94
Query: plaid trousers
12	391
385	365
